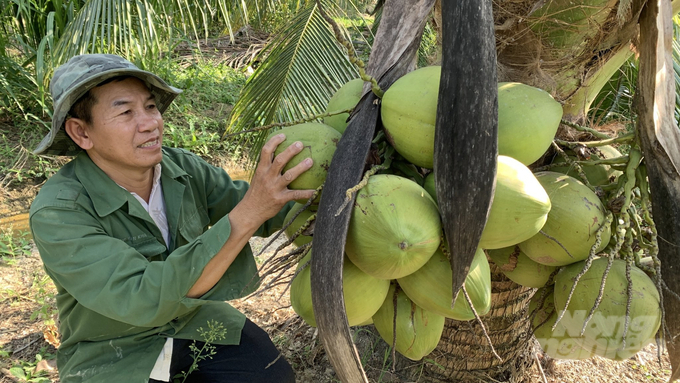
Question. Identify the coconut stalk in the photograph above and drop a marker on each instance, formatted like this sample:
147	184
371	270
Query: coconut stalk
576	107
660	141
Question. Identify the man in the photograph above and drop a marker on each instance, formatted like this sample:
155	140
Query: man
146	243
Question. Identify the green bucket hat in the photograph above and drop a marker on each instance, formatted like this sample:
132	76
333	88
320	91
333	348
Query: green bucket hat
82	73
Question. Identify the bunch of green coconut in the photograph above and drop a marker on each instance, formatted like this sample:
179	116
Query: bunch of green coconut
542	230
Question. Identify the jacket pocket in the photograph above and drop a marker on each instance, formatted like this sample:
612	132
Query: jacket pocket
148	247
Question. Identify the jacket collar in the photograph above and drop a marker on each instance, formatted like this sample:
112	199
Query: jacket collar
105	194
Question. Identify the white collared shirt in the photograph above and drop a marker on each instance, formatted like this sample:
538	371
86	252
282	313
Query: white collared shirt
156	209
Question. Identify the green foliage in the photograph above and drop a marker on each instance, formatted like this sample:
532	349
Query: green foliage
17	165
13	245
24	371
45	33
615	100
304	66
215	332
428	48
17	87
198	115
43	293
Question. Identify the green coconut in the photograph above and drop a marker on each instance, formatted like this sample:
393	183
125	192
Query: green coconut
597	175
298	222
557	343
519	209
528	119
408	111
604	332
320	141
573	221
345	98
430	287
394	229
418	330
363	293
519	268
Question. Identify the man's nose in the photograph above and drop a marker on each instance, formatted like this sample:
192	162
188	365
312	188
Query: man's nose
148	121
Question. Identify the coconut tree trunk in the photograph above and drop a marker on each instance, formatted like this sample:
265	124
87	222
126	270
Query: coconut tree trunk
463	353
660	140
568	48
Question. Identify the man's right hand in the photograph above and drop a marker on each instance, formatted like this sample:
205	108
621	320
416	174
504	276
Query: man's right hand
268	191
267	195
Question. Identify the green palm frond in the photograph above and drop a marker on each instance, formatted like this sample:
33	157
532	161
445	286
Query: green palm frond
615	100
15	81
109	26
304	67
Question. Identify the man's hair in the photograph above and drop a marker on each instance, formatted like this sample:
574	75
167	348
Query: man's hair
82	108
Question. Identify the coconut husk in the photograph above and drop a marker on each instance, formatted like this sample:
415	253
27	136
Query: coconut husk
527	50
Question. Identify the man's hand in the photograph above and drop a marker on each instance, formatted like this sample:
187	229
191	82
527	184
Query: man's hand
269	187
266	196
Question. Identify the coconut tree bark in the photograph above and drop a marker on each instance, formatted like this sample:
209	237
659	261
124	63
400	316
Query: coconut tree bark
660	140
463	354
568	48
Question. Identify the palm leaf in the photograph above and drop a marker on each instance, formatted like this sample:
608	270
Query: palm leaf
109	26
615	99
305	65
15	82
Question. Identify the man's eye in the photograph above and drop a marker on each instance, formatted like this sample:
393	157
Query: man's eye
127	111
151	106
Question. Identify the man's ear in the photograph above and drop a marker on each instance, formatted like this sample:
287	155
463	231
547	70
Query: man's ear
77	129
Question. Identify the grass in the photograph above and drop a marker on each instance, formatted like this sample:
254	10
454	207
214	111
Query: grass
13	245
197	118
18	300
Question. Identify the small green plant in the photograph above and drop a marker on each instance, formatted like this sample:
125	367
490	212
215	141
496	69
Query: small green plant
45	298
13	244
25	371
215	332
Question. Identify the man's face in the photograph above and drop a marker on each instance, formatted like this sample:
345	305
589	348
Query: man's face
127	128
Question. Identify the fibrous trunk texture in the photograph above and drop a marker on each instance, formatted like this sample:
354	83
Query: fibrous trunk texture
463	353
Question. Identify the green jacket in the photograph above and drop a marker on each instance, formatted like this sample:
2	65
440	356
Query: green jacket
120	291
